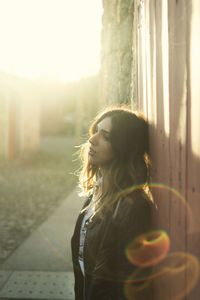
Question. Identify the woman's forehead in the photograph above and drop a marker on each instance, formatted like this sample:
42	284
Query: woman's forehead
105	124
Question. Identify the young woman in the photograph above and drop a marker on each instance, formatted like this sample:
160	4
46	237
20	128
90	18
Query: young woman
118	208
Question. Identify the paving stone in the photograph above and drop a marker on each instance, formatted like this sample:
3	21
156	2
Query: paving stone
39	285
4	275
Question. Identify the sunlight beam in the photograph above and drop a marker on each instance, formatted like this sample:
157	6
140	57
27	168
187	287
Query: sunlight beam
56	37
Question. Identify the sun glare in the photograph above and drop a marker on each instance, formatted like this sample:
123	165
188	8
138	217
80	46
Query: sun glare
55	38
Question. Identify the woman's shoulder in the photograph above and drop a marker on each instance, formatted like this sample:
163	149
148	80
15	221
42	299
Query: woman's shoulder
134	215
134	204
136	199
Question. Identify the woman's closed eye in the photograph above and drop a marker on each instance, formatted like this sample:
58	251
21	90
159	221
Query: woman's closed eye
106	136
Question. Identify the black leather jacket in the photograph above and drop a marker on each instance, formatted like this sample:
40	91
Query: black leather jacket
105	261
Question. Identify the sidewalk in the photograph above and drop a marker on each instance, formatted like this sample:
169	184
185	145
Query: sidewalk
41	267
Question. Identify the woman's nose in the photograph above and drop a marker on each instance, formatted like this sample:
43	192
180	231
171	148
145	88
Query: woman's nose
93	139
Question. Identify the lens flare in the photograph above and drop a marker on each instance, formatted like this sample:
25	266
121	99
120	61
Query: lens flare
173	278
155	185
148	249
180	272
139	285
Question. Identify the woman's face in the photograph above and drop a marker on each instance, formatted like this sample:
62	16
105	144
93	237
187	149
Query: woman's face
100	151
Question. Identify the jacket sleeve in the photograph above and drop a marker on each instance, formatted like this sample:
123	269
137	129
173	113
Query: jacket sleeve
134	219
113	268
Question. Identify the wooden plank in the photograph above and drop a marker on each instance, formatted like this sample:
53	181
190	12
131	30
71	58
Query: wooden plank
178	117
193	137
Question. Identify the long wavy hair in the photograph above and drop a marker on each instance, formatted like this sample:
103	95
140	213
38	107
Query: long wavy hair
130	167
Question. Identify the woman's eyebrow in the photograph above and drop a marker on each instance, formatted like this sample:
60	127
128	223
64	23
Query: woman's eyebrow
104	130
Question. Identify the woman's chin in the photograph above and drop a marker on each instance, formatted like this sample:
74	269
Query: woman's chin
92	161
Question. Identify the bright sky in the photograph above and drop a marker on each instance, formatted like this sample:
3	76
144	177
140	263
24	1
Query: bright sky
57	38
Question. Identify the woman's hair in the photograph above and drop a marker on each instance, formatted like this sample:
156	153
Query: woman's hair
130	164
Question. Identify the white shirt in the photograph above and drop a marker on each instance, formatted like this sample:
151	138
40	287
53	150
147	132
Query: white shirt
83	229
82	237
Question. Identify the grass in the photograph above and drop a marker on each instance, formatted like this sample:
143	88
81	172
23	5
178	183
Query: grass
31	189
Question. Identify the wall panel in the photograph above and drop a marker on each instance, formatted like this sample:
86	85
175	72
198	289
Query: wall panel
167	38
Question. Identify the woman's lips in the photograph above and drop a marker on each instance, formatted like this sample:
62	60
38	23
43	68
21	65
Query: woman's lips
91	152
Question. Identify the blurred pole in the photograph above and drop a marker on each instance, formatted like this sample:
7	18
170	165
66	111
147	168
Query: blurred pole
79	120
11	130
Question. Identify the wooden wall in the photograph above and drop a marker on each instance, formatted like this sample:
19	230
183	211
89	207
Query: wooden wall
167	90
